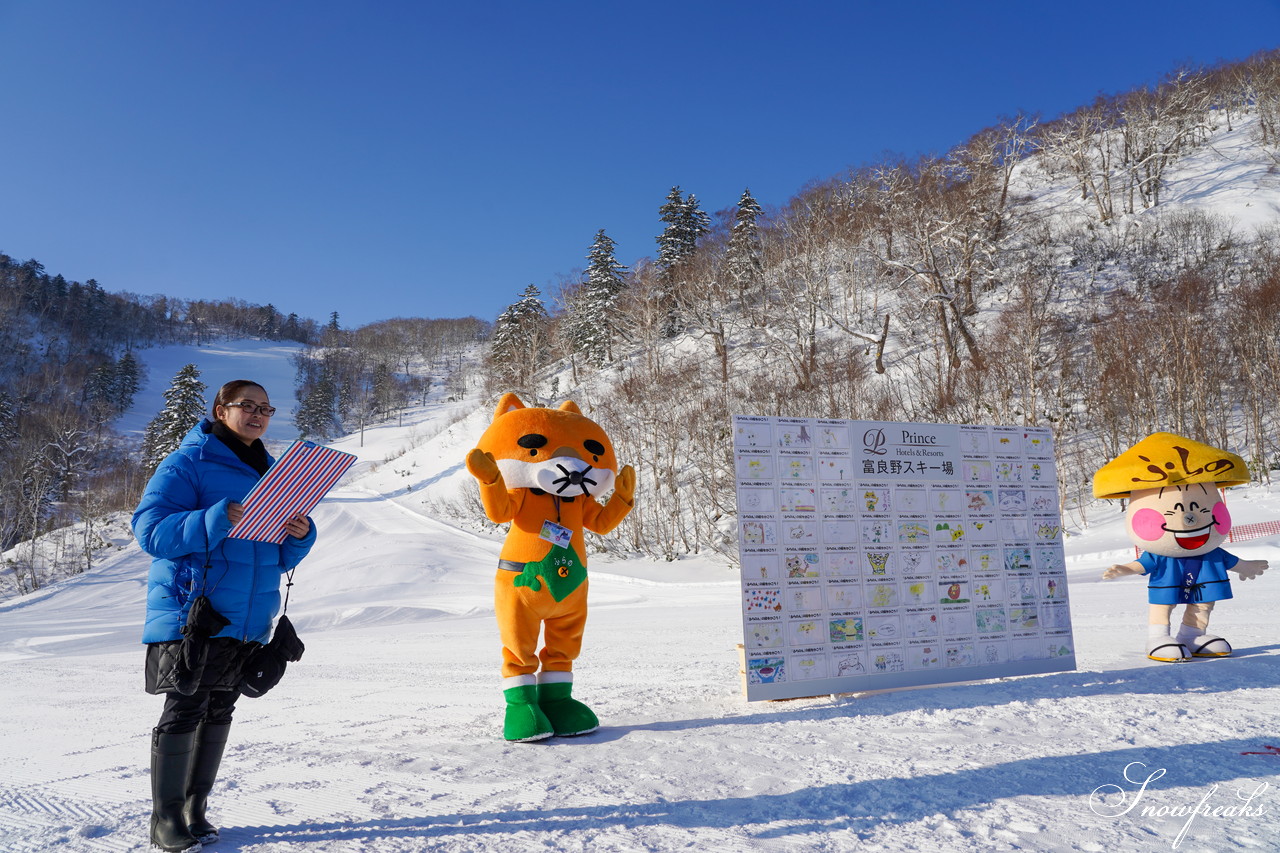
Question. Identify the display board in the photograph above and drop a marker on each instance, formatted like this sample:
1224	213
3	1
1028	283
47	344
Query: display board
877	555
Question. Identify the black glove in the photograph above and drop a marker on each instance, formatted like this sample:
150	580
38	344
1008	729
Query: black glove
203	621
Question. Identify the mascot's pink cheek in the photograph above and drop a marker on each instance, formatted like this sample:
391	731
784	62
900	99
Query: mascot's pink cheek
1221	518
1147	525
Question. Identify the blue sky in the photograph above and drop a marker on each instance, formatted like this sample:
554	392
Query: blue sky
385	159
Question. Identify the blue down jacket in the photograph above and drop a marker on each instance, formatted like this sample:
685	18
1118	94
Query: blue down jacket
182	520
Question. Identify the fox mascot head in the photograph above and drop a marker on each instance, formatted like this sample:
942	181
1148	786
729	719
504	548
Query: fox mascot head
560	451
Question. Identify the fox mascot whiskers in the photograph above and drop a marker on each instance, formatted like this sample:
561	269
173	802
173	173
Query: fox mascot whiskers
542	470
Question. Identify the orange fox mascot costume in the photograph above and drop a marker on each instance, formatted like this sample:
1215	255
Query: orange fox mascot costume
541	470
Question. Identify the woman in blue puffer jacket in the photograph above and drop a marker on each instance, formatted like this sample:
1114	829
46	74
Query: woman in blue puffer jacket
189	506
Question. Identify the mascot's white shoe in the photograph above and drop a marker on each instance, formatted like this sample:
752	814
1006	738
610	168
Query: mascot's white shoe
1167	650
1208	646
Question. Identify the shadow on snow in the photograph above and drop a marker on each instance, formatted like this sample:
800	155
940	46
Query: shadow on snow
856	806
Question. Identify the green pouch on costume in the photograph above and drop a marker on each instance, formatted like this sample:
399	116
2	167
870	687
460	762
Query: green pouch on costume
561	570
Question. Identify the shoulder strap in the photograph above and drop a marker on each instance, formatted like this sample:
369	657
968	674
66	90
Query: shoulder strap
288	584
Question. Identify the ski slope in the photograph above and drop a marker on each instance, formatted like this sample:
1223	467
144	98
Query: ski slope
387	735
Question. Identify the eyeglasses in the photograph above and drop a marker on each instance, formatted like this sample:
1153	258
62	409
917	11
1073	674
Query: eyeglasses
253	408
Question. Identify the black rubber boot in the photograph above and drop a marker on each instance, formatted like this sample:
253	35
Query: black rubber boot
170	764
211	739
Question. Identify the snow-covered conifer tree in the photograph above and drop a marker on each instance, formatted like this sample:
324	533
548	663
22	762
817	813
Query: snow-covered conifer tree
184	406
109	388
268	321
316	416
744	258
672	242
519	346
128	379
383	388
695	223
332	335
100	390
592	313
292	329
686	223
8	421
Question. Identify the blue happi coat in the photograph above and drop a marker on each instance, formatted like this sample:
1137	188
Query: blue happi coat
182	523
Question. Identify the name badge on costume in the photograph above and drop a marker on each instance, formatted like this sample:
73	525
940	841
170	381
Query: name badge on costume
556	534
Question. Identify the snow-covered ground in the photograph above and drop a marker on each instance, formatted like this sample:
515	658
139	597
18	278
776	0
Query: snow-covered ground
387	735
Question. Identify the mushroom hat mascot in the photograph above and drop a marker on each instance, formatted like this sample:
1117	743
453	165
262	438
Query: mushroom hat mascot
543	470
1176	515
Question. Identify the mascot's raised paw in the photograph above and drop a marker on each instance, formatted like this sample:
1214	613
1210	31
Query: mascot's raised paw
626	483
542	470
483	466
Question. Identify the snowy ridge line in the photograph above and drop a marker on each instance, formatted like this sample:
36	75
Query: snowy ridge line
18	602
428	521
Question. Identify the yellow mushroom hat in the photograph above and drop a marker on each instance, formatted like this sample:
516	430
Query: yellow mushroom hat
1166	459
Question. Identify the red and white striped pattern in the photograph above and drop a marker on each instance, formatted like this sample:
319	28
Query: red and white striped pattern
292	486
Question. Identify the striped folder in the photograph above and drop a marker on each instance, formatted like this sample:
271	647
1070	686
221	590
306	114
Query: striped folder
292	486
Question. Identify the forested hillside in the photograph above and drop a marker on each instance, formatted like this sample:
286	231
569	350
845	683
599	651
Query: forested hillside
71	361
349	380
68	368
1108	273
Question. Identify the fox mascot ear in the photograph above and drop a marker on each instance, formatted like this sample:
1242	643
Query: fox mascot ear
507	403
510	402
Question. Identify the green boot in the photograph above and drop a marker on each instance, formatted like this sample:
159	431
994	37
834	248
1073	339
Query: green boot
568	716
524	720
